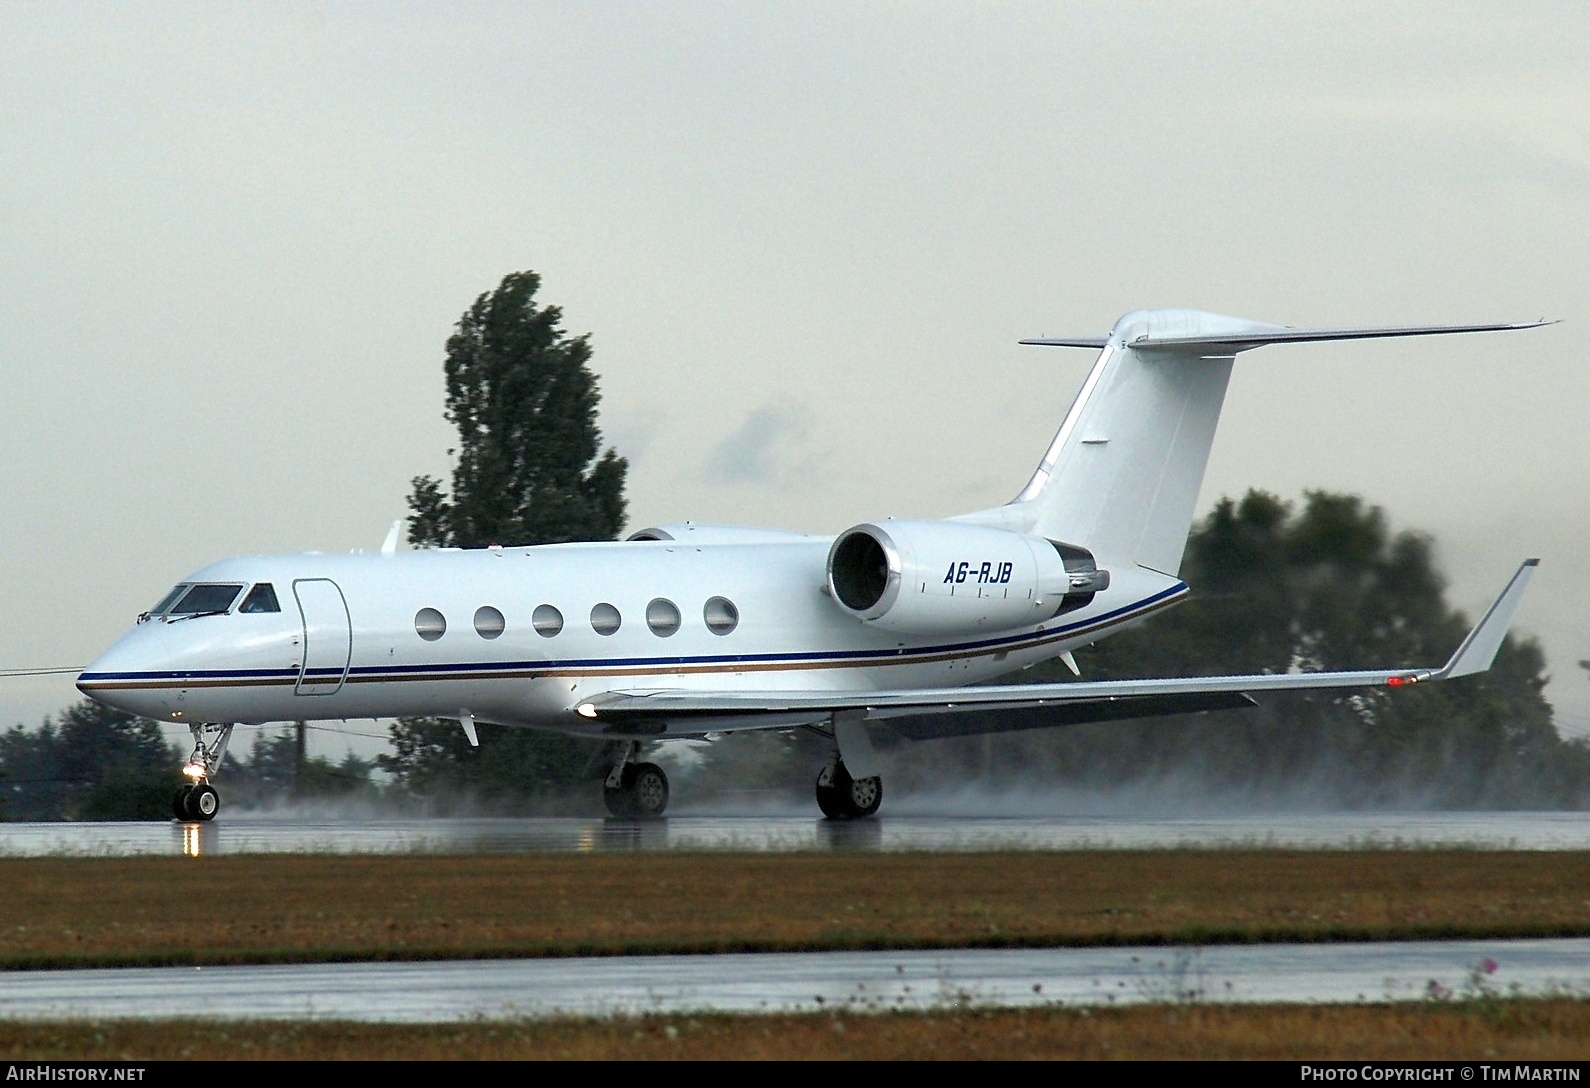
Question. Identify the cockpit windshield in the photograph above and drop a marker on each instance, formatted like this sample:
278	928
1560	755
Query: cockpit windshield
168	600
207	597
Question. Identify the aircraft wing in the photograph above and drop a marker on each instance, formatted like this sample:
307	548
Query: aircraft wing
1042	704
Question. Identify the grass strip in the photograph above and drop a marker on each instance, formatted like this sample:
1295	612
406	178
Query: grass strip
1508	1030
79	912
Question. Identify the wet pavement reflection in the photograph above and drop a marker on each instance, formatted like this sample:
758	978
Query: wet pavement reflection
246	833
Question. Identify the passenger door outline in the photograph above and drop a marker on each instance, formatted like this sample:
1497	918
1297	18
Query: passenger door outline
328	636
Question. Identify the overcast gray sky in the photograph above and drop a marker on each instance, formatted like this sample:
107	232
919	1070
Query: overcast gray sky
805	239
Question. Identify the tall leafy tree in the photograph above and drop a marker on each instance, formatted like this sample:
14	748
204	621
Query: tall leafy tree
90	762
531	470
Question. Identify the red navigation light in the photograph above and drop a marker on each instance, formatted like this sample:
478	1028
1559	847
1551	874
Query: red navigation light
1394	681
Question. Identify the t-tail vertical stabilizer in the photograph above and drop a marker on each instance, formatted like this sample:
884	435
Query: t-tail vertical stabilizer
1122	476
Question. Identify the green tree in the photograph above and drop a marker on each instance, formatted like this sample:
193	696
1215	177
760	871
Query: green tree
272	773
88	763
513	769
530	470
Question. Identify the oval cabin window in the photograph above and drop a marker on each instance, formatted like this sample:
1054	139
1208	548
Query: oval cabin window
662	616
547	620
430	624
489	622
721	615
605	619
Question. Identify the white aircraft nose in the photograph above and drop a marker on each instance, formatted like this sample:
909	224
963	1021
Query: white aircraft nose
128	675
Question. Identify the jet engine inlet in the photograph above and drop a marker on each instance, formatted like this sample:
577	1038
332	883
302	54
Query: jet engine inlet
859	569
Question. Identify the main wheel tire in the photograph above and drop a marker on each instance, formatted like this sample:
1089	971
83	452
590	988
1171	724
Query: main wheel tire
864	796
179	803
204	802
849	798
648	789
830	801
641	795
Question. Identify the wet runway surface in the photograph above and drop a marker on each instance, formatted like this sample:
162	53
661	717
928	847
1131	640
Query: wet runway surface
244	833
517	989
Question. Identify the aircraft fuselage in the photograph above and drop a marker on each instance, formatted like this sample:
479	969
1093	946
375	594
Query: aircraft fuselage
357	636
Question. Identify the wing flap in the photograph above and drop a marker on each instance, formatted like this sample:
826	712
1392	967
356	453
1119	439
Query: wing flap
975	722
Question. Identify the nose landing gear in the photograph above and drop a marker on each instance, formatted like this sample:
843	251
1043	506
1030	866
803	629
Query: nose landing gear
198	800
635	791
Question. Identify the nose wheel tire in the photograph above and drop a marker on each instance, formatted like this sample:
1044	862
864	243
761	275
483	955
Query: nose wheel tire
204	802
641	795
846	798
196	803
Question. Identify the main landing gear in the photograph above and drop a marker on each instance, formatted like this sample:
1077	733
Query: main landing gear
198	800
842	797
635	791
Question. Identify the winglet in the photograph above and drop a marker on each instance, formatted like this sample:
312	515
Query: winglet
1478	650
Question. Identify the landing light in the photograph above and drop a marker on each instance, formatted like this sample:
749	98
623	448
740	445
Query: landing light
585	710
194	770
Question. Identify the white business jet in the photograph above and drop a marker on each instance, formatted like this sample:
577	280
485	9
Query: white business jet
689	631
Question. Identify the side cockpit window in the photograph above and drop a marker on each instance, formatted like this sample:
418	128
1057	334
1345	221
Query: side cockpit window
262	598
207	598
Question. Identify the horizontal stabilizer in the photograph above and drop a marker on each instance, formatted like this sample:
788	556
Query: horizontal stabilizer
1256	335
690	712
1260	335
1068	342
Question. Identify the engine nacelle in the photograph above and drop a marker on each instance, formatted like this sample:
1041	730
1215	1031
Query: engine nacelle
943	577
